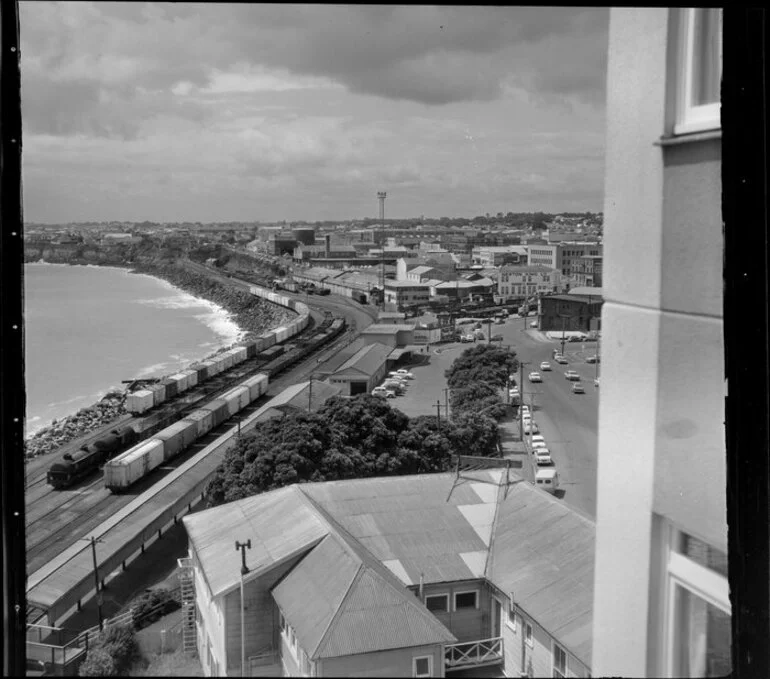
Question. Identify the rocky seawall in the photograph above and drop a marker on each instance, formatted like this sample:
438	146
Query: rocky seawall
253	315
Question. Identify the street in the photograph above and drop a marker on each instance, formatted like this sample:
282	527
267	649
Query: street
567	421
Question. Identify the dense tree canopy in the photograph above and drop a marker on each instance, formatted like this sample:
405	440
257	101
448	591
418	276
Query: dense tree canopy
348	438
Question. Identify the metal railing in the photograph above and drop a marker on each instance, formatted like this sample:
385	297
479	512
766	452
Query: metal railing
474	653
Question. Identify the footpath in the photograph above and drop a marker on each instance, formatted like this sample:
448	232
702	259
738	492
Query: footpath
514	448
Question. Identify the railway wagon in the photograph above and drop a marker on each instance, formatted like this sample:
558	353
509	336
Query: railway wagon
257	385
171	388
192	377
177	437
132	465
158	394
272	352
237	399
203	420
139	401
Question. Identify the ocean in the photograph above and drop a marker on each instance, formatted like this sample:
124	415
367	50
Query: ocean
89	327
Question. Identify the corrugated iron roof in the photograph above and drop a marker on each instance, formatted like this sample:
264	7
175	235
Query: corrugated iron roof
296	396
366	360
543	552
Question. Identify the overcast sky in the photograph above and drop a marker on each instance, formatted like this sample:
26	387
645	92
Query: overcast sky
216	112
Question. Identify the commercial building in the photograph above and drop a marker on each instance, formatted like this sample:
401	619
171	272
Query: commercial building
389	334
570	312
565	256
661	597
489	256
587	271
394	576
527	281
363	371
404	293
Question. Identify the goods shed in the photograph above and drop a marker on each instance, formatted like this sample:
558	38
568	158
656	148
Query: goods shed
363	371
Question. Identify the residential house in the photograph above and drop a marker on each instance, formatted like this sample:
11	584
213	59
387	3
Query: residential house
395	576
661	598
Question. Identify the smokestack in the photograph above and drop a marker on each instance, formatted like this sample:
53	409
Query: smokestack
328	239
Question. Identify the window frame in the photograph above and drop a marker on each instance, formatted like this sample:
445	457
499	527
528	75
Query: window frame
465	608
556	672
529	633
429	658
690	118
700	581
510	619
436	596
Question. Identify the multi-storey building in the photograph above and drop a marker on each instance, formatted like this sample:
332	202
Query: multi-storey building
565	256
405	293
497	255
661	602
587	271
527	281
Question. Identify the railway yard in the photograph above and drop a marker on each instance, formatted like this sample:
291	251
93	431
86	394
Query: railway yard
61	522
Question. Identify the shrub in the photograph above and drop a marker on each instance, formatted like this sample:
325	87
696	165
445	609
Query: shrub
152	605
98	663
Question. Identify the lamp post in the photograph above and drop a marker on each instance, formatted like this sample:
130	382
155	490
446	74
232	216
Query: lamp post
243	546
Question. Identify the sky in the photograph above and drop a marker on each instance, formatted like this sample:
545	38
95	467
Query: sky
266	112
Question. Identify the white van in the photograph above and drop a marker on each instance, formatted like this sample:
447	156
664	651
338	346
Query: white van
547	479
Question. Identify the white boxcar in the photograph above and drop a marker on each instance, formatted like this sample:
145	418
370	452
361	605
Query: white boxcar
192	377
213	366
257	385
139	401
158	393
281	334
136	462
181	382
236	399
177	437
239	354
203	420
226	360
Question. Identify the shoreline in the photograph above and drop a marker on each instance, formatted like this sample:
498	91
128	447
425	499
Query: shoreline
242	314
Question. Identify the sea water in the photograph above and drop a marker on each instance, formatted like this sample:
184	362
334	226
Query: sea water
88	328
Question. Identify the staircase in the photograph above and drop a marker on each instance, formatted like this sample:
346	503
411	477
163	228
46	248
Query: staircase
187	594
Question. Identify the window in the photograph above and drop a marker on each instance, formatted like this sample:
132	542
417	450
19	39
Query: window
698	620
422	666
699	70
438	603
528	634
464	600
511	616
559	661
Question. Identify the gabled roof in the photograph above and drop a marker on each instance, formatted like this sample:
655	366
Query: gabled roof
366	360
421	270
296	396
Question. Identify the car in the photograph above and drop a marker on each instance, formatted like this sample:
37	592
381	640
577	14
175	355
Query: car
497	338
561	359
576	338
596	382
513	391
383	392
535	377
572	375
543	458
404	373
545	366
466	338
577	388
538	438
499	321
533	324
531	427
525	411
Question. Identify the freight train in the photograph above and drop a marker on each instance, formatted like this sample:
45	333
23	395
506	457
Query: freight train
142	400
138	461
76	465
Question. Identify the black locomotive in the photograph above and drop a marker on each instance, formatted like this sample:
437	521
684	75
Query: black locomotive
74	466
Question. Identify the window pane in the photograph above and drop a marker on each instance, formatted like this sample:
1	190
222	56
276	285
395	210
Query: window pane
702	553
707	57
422	667
467	600
702	637
437	603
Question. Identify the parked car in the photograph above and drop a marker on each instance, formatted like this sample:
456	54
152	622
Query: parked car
561	359
497	338
592	359
403	372
530	427
535	377
572	375
533	324
538	440
466	338
596	382
383	392
577	388
499	321
543	458
545	366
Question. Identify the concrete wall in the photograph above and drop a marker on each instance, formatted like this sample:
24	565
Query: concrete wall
661	438
393	663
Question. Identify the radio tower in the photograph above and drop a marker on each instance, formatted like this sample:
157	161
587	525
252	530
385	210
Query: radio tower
381	195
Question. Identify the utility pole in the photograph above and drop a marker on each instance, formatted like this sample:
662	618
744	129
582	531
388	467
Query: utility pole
310	393
438	414
243	546
381	195
93	542
521	399
446	402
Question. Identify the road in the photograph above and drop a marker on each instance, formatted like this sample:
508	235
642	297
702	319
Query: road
568	421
